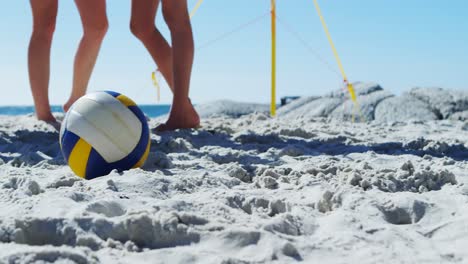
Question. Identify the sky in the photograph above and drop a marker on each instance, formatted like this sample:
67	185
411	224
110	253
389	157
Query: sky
399	44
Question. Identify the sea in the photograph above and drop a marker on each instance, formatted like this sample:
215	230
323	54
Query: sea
149	110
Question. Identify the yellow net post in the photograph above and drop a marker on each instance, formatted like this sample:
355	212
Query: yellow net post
273	58
348	85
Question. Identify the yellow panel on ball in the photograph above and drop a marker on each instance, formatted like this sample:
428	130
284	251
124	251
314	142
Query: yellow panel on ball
79	158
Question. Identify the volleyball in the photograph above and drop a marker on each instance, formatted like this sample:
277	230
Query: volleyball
104	131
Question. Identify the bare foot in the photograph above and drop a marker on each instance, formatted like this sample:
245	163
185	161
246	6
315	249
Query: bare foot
182	116
47	117
55	124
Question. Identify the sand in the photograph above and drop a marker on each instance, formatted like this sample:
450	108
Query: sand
248	189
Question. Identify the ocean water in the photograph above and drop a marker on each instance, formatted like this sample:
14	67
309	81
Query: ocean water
149	110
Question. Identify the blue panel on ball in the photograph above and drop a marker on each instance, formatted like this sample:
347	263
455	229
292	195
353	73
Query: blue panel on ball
137	111
69	140
97	166
115	94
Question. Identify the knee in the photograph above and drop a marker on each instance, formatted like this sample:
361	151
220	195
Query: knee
141	30
96	31
45	30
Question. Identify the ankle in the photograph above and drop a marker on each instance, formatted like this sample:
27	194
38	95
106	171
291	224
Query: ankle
48	117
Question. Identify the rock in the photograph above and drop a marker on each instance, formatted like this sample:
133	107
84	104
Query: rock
403	108
367	104
321	107
370	94
420	104
443	102
361	88
295	105
230	108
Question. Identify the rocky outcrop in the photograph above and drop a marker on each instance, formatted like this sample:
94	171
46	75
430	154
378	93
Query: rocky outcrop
403	108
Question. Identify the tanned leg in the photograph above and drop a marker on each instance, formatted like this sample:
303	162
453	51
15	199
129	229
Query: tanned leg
182	114
95	25
142	25
44	18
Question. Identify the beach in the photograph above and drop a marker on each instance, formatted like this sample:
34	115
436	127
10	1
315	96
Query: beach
247	188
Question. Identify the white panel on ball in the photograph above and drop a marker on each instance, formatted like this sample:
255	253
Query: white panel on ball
98	123
120	110
100	142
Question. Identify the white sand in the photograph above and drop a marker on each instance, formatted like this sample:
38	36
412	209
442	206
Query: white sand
244	190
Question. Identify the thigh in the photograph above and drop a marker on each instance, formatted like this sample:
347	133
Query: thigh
44	12
92	12
175	13
172	7
144	12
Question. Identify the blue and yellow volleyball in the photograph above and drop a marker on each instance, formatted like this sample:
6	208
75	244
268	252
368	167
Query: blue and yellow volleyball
104	131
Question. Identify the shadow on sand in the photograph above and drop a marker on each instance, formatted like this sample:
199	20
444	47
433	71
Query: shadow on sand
32	147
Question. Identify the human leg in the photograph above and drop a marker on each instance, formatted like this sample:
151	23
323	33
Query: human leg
94	20
142	25
182	114
44	19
